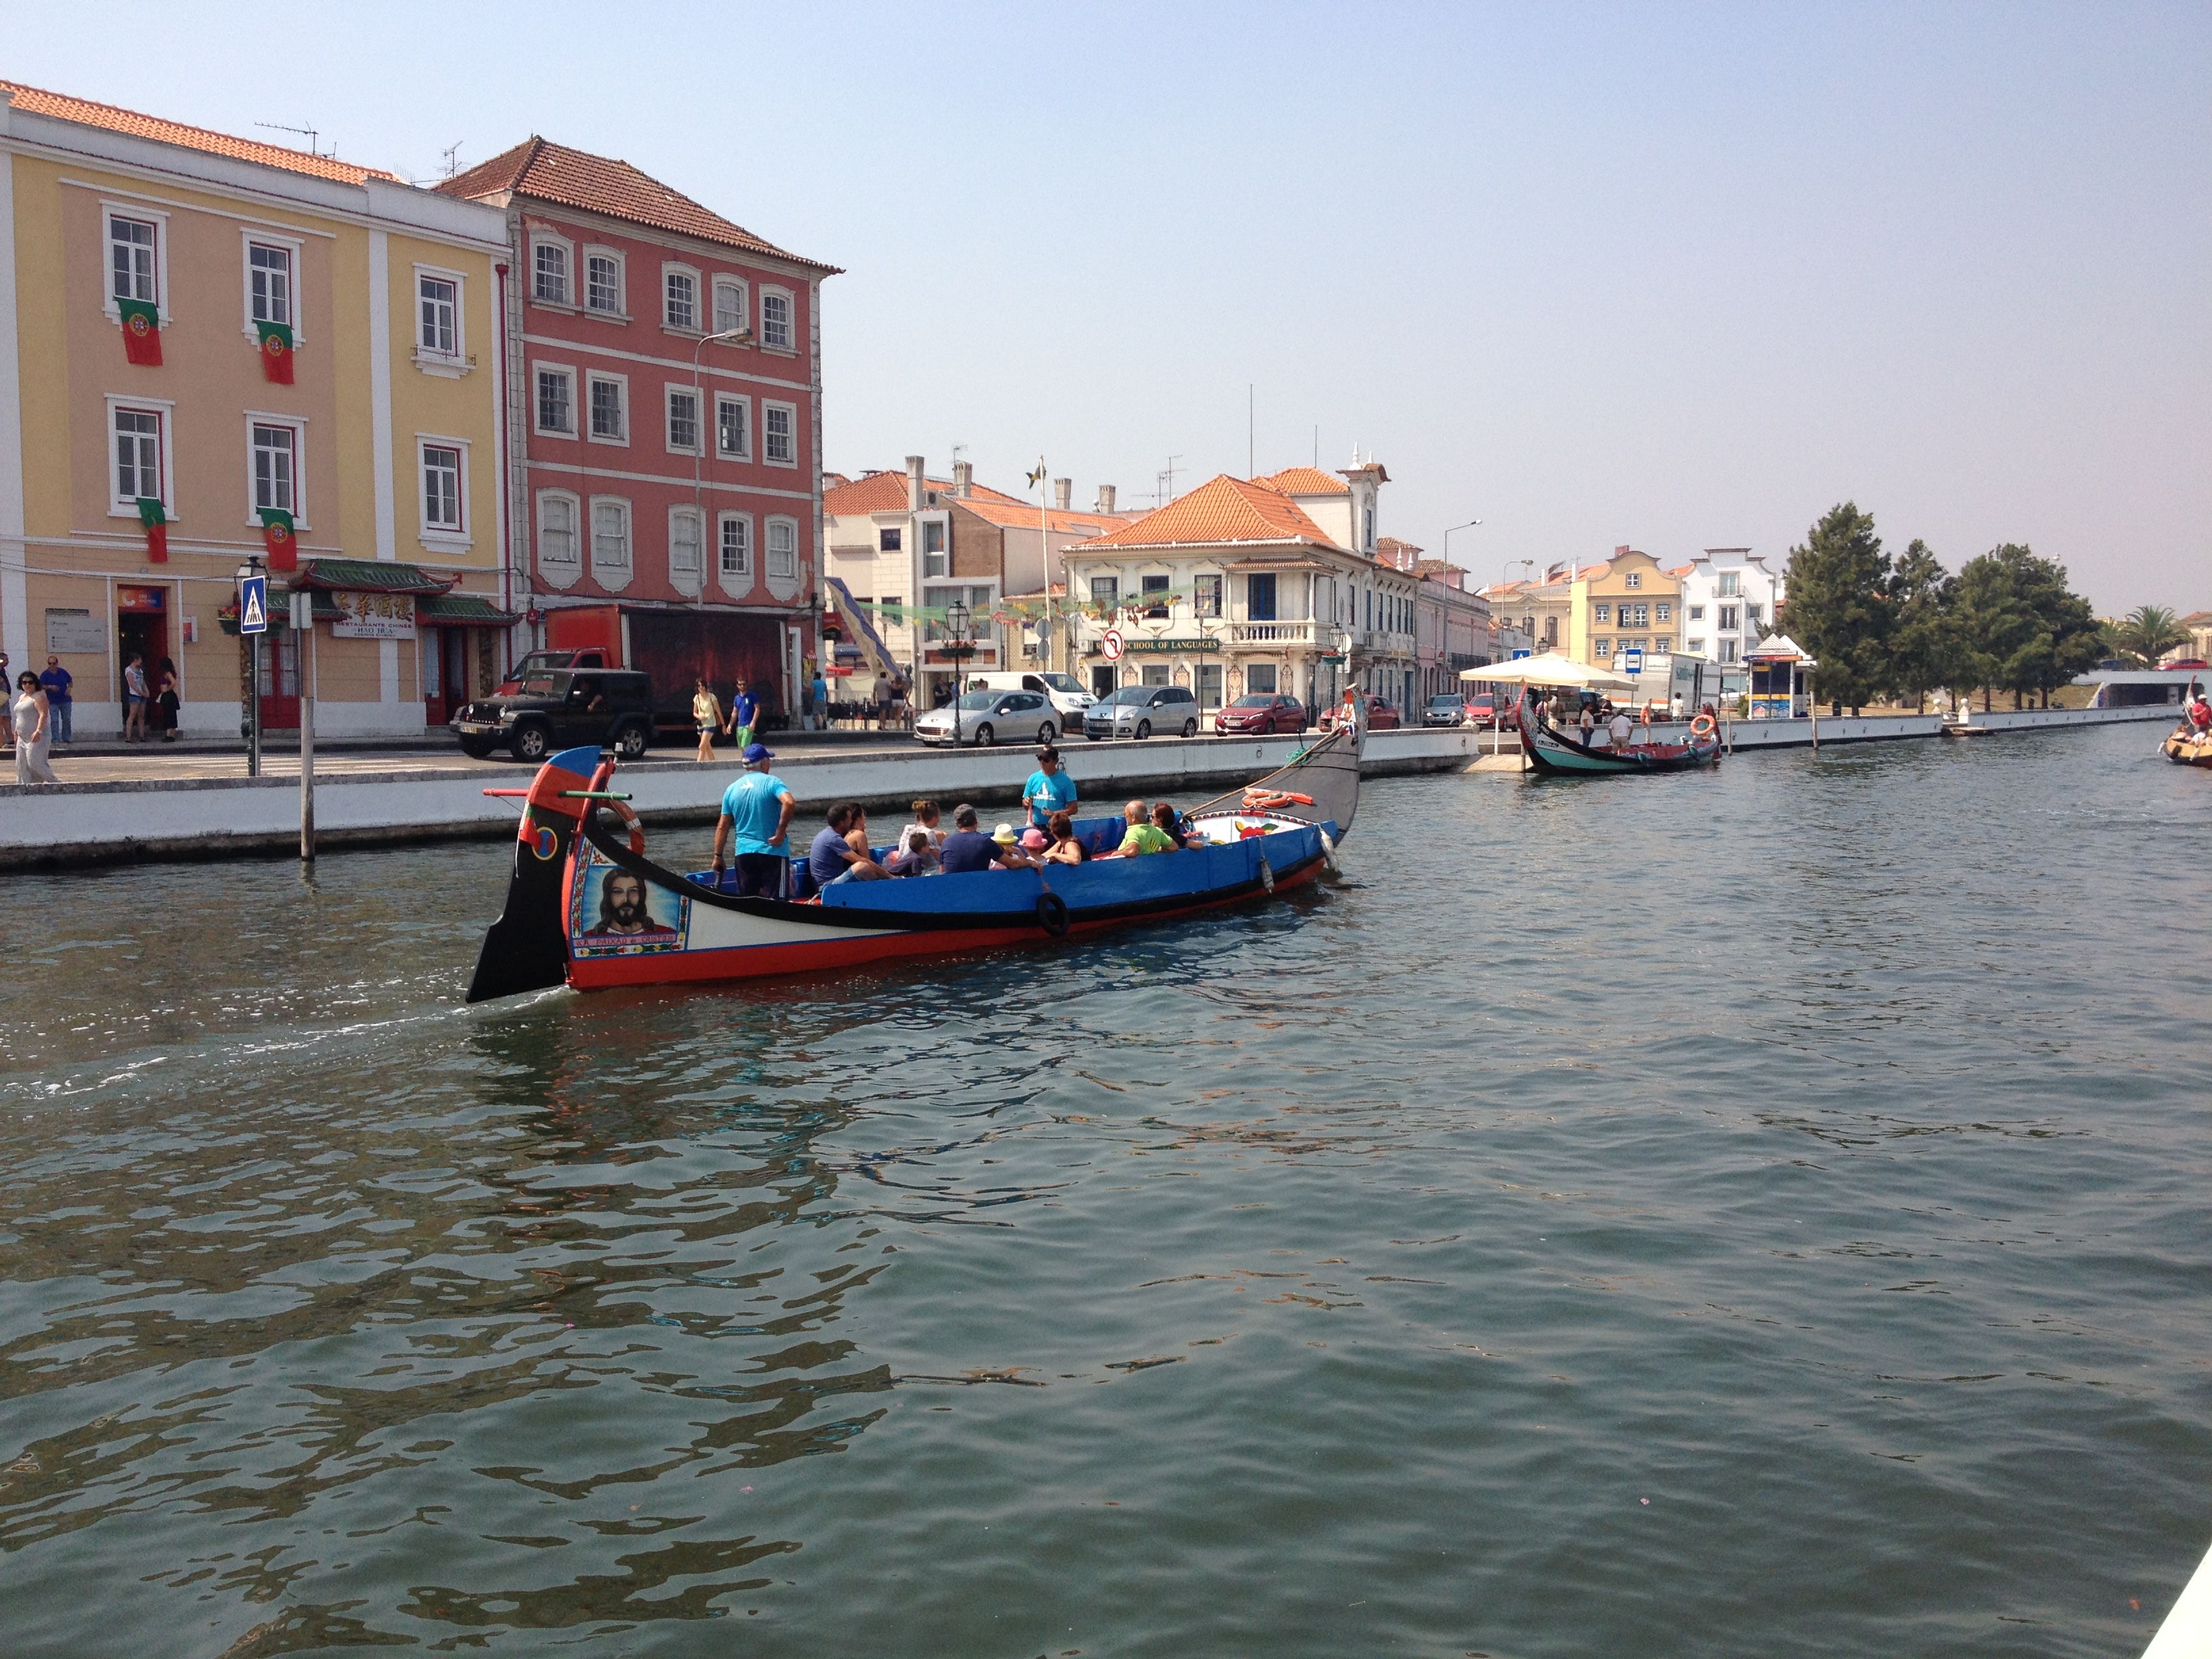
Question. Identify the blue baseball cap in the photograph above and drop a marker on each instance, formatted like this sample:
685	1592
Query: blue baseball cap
758	751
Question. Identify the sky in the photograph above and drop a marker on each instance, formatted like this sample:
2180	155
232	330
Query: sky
1674	277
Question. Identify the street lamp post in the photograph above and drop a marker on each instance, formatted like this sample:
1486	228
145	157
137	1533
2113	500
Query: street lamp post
1472	523
707	420
955	630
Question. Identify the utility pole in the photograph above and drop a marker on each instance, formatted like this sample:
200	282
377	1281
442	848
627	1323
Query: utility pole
303	635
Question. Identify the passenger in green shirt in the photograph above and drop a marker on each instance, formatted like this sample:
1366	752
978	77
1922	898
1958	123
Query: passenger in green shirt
1144	835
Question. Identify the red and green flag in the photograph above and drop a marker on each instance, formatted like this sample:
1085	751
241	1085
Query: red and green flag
276	351
141	331
277	533
156	520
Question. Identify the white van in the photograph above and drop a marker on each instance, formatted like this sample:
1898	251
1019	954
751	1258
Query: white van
1067	698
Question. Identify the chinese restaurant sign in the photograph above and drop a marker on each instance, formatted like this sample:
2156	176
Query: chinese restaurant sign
374	615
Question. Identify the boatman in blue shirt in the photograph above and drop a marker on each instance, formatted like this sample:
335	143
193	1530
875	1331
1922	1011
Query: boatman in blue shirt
758	808
1049	790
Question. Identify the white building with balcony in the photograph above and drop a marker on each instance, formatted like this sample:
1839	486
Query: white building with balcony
1243	585
1729	600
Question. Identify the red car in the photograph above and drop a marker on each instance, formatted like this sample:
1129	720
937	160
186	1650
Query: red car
1382	716
1261	712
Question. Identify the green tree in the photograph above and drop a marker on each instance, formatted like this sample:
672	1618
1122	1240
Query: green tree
2148	633
1839	607
1923	647
2021	627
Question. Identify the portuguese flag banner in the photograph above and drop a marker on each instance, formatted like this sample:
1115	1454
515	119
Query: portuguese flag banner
156	520
276	351
277	534
141	331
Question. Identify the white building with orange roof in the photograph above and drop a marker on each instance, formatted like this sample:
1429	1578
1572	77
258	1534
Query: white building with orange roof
903	547
213	349
1251	586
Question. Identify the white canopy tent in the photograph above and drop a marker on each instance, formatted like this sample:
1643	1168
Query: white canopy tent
1549	669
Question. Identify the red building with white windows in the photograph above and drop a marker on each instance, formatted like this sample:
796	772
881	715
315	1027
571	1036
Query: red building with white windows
664	389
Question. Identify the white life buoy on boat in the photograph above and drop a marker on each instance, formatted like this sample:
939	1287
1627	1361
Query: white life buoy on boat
624	811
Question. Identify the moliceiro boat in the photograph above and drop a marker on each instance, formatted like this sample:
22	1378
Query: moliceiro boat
1554	751
586	907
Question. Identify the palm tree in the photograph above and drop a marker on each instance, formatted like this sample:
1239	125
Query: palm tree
2148	633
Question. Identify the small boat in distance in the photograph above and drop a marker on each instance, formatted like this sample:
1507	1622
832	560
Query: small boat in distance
588	908
2184	747
1555	752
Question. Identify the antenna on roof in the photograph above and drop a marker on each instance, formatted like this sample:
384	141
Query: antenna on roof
452	154
308	133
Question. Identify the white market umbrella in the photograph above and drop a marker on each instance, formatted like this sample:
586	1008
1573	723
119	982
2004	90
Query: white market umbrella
1549	669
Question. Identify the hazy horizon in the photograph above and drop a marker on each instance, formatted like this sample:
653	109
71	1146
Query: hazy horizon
1612	275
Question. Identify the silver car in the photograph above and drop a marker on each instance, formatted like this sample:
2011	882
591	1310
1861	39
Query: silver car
989	717
1138	711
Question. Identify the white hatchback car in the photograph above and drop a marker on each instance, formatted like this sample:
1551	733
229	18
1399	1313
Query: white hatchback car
988	717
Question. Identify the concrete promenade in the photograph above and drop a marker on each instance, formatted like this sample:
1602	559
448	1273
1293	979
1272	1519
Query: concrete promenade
364	800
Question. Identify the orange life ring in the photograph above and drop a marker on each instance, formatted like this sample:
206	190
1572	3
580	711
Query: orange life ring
622	811
1702	726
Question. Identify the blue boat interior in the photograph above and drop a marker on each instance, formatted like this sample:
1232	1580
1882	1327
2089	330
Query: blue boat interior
1191	872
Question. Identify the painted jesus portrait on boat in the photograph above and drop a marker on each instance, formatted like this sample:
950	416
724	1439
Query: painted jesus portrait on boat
618	909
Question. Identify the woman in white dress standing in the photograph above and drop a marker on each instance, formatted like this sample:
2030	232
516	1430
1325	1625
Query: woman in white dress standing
33	731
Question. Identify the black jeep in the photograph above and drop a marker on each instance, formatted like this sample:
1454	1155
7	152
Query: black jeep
554	708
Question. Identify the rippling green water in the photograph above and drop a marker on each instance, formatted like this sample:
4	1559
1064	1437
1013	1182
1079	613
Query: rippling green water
1735	1214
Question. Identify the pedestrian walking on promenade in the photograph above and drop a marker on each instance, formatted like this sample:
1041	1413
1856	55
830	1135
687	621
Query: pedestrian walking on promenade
706	714
7	721
56	683
819	690
165	703
134	699
28	712
744	713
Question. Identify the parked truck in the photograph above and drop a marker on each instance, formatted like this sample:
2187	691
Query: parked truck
672	648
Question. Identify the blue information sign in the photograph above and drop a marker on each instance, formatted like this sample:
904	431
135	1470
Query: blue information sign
1632	661
253	605
1521	652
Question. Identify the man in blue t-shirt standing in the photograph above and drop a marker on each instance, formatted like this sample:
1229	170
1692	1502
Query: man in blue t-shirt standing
744	711
757	807
1049	790
56	681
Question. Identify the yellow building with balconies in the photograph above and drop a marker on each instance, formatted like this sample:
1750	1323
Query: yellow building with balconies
145	268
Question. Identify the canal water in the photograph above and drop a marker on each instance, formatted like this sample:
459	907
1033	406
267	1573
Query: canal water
1744	1213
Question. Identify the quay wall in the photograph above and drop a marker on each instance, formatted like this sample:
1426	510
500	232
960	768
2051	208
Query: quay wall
58	825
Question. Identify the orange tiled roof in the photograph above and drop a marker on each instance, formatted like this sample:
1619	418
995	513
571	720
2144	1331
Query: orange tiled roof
598	184
886	492
1008	513
82	110
1222	509
1305	481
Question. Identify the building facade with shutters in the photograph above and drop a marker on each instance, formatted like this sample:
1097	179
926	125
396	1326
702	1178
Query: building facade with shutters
1243	585
664	408
1729	602
201	335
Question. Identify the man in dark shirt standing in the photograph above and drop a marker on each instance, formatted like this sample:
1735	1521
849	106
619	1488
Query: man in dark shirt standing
56	681
968	849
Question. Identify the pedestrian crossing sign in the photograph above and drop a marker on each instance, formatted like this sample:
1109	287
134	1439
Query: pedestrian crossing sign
253	605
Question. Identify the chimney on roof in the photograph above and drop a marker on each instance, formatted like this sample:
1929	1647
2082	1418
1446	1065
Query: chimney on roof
1105	498
917	487
1623	548
963	478
1063	493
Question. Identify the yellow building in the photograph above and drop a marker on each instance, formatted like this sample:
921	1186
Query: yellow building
1628	603
385	446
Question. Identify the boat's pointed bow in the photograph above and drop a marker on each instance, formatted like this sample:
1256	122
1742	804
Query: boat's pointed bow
527	948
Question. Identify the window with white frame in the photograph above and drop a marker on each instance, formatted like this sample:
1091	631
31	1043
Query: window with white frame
1731	584
684	547
611	536
733	426
609	415
1696	613
679	298
549	270
275	446
1206	596
134	259
1728	650
1728	619
268	278
1664	610
933	547
1106	591
1751	614
556	533
557	401
730	305
737	545
775	320
1643	617
1601	648
603	281
783	548
683	420
444	495
779	430
1635	578
1601	613
139	454
438	315
1695	647
890	539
